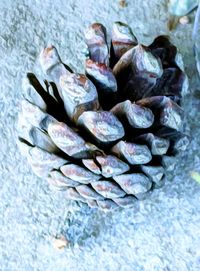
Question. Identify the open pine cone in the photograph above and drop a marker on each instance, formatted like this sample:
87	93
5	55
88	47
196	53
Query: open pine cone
108	137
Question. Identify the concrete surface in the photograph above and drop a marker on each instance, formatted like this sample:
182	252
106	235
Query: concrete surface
161	233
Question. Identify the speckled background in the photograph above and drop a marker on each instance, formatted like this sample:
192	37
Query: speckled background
161	233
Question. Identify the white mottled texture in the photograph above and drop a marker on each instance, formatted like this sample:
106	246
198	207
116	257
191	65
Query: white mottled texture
161	233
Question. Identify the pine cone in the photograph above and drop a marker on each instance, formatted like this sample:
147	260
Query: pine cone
108	137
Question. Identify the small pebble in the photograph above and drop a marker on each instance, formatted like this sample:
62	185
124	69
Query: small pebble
184	20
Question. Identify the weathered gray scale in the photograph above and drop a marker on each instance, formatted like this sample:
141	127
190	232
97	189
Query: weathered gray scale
52	65
56	178
91	165
155	173
171	115
35	135
137	116
122	38
179	62
108	189
180	143
160	183
88	192
49	58
168	162
111	165
46	158
135	154
42	140
135	183
95	37
34	115
102	76
107	205
170	112
78	174
24	128
31	94
67	140
144	62
79	95
102	125
40	170
71	193
56	73
157	145
42	162
126	201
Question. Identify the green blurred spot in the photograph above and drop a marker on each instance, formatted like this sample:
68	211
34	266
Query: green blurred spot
195	176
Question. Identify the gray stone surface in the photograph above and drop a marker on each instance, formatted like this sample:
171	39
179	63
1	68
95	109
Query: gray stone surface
161	233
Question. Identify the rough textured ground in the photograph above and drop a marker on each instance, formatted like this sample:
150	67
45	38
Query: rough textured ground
161	233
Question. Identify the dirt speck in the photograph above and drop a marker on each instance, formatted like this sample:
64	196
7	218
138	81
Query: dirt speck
60	242
123	3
